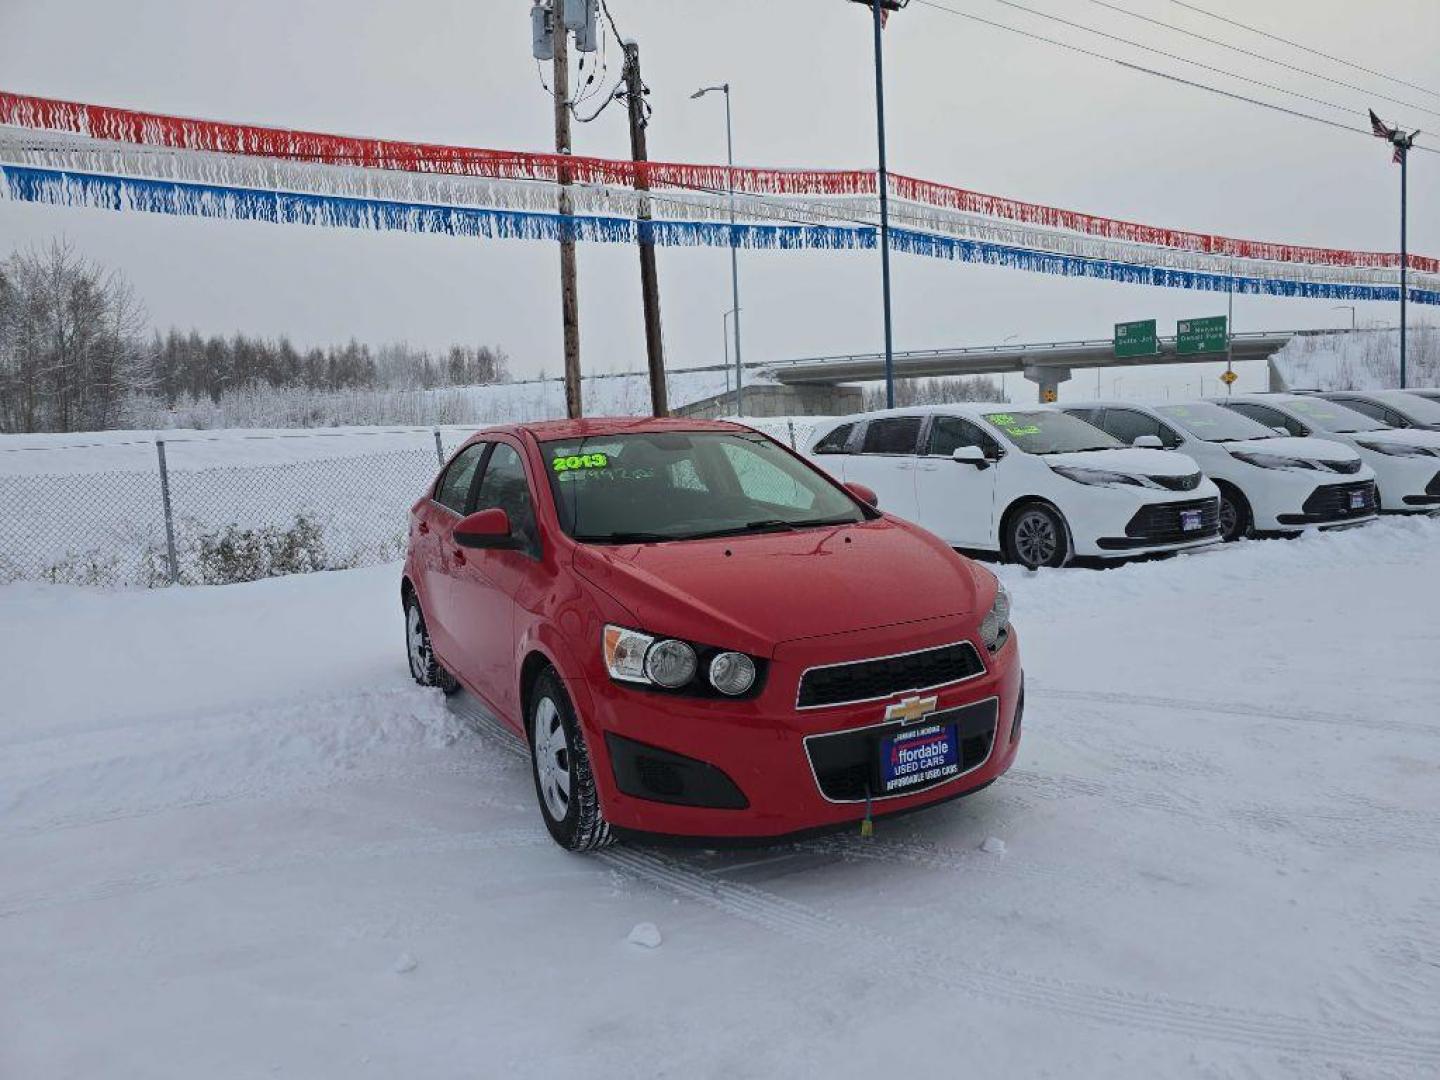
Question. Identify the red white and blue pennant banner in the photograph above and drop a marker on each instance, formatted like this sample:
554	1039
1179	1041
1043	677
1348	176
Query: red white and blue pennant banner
81	155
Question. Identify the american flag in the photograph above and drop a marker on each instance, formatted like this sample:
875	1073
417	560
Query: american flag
1392	135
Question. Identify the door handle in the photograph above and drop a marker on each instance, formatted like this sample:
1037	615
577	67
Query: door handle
423	529
928	468
459	557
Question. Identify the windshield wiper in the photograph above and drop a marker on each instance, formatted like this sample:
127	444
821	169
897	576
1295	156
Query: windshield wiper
628	538
773	525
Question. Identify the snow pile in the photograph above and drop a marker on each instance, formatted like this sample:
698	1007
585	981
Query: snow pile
238	841
1366	360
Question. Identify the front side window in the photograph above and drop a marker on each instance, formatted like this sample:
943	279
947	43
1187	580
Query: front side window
1127	425
836	441
1211	423
663	486
1330	416
893	435
1271	418
1050	432
1369	408
950	433
504	487
454	489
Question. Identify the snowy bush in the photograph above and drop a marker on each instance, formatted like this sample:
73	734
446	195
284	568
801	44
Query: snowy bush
236	554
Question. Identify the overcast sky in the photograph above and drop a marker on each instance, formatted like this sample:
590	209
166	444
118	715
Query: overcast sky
968	105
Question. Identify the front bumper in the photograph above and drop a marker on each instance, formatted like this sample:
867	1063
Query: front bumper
755	762
1333	504
1117	523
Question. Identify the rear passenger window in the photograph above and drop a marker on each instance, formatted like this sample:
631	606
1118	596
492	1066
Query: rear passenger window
899	435
454	487
836	441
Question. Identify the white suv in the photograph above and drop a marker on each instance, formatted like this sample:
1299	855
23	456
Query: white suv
1398	408
1268	483
1406	462
1033	484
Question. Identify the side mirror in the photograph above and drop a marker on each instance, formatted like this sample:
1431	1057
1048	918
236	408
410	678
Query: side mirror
486	529
1149	442
970	455
864	494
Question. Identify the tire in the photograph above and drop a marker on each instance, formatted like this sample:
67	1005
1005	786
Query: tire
424	668
1236	520
1035	536
560	765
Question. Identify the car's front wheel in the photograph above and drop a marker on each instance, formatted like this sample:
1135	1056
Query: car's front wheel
424	668
1236	522
1036	537
564	782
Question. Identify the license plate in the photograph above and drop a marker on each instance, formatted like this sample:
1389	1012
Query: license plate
924	756
1358	501
1192	520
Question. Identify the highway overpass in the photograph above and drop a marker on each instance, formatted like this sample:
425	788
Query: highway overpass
1047	364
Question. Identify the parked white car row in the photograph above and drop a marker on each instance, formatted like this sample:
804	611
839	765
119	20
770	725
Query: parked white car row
1109	479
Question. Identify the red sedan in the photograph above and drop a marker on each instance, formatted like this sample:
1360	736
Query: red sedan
700	635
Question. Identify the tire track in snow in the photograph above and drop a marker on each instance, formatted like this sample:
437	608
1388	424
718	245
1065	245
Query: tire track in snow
1231	708
1136	1010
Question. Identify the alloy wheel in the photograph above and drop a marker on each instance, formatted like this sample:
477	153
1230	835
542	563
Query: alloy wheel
1229	519
1036	540
552	759
417	642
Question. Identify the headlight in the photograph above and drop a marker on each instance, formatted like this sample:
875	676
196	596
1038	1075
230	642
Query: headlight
1272	461
625	653
732	673
670	664
1397	449
1098	477
995	627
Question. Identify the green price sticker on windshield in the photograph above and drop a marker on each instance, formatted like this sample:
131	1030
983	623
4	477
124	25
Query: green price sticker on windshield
1007	423
577	463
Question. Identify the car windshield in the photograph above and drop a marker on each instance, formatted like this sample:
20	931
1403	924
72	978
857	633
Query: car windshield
663	486
1328	416
1050	432
1214	424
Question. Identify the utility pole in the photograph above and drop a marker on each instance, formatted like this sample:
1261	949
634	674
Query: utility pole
1403	149
734	242
569	289
883	182
649	274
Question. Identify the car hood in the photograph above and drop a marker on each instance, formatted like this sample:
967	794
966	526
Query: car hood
1403	436
1310	449
1131	460
755	592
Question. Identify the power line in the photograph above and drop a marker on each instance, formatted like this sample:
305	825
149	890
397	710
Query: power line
1081	50
1174	56
1306	48
1259	56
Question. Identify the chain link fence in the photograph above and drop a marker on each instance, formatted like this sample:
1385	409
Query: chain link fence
209	510
177	511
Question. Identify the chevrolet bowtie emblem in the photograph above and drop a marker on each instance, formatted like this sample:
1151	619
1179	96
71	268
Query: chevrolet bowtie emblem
911	709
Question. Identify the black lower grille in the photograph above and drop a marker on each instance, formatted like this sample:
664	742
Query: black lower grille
1178	483
1333	502
870	680
847	764
647	772
1164	523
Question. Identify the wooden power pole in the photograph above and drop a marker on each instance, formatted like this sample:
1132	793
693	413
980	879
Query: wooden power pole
569	291
649	274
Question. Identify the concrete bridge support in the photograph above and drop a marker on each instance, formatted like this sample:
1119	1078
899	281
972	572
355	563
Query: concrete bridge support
1048	378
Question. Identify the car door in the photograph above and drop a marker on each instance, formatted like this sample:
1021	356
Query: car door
885	461
489	583
956	500
437	519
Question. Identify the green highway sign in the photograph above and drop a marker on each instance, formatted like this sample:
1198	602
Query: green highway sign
1136	339
1197	337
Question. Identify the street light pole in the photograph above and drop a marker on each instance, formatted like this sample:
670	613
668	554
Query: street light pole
1402	144
883	179
734	241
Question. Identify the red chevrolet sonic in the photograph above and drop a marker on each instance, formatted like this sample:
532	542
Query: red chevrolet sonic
700	635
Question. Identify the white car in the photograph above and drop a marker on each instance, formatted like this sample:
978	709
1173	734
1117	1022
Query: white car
1406	462
1426	393
1398	408
1268	483
1035	485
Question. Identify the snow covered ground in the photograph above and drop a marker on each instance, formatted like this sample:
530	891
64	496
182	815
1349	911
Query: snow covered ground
1368	360
237	841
